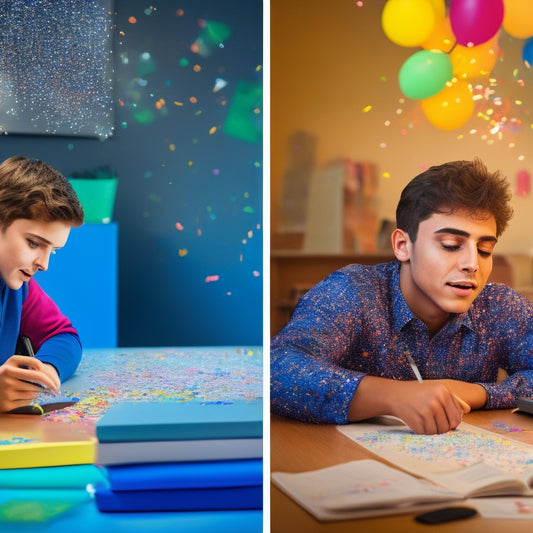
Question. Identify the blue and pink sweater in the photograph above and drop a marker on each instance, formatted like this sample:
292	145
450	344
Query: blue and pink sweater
30	311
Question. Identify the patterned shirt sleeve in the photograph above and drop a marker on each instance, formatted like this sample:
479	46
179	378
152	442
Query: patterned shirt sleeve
356	322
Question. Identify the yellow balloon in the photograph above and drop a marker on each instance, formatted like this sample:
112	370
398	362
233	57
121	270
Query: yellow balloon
476	61
518	18
439	7
442	37
451	108
408	22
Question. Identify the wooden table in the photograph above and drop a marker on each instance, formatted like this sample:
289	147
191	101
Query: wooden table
298	447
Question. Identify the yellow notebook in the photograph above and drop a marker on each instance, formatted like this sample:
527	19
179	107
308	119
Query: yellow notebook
30	442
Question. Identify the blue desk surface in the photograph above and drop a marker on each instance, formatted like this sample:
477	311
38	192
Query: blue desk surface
108	376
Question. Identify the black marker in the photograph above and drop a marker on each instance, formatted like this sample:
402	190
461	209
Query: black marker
28	348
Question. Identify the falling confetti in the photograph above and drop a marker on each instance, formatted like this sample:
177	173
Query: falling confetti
219	85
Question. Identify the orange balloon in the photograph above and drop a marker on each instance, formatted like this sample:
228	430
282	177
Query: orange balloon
476	61
442	37
452	107
518	18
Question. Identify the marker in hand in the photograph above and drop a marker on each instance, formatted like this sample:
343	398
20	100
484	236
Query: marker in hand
464	406
28	348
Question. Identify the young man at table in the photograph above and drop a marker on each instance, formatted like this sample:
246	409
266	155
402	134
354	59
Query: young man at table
38	207
343	355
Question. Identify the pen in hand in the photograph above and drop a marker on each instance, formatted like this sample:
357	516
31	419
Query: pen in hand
464	406
28	348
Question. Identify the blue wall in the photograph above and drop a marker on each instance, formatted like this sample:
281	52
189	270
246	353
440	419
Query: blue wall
189	205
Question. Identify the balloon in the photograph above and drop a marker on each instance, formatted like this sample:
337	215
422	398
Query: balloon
475	21
475	62
425	73
527	53
451	108
523	183
518	18
442	37
439	7
408	22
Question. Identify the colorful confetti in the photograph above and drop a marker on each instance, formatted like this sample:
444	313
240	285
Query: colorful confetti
426	454
108	376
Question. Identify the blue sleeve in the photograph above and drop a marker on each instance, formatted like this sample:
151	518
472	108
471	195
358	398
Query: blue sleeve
63	351
515	332
307	380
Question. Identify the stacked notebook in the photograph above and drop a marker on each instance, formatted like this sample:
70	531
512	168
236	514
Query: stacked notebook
168	456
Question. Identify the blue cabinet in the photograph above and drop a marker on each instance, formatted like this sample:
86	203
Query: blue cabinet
82	280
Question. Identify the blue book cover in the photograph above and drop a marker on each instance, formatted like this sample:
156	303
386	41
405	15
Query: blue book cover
194	475
178	499
166	420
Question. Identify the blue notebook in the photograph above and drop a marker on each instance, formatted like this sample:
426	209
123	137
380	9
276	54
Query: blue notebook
158	421
178	500
51	477
199	475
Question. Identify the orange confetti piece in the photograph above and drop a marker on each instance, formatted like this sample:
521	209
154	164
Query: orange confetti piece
183	252
132	20
179	226
193	99
212	130
210	279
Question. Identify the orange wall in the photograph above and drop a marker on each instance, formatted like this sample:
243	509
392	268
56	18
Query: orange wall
330	60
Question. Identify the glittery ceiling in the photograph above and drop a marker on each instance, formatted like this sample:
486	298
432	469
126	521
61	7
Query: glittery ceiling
56	67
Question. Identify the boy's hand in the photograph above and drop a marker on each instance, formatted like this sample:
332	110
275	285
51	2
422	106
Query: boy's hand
17	385
427	408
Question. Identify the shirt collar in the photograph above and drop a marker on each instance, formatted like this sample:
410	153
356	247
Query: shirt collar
402	314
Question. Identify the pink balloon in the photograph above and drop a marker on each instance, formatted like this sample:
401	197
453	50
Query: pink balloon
475	21
523	183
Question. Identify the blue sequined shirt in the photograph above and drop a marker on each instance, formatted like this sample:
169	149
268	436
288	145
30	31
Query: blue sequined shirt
356	322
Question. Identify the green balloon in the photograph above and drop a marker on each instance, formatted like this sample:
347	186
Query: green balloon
425	74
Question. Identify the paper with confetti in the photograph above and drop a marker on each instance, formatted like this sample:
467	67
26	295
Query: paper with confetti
504	508
447	452
108	376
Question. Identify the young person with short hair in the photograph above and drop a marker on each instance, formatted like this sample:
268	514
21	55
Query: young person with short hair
38	207
343	356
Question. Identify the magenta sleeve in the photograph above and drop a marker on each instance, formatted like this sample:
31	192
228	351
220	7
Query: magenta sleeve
53	336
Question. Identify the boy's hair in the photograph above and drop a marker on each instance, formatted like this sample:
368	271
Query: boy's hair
452	186
32	189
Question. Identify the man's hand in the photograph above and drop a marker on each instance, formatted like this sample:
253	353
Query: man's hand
17	384
427	408
472	393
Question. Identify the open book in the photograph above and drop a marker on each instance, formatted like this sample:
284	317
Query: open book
370	488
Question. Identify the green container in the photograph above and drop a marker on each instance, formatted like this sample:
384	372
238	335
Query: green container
97	197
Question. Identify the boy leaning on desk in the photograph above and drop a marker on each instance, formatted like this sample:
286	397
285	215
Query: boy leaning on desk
38	207
359	339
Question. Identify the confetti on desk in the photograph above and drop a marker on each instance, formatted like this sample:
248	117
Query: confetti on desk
108	376
426	454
